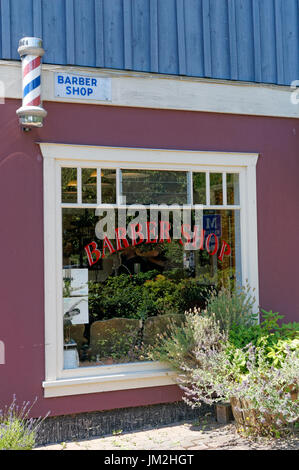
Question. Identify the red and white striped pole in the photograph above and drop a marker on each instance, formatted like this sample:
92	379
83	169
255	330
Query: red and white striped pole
31	114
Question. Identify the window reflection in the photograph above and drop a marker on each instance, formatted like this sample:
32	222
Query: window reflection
68	185
108	186
216	193
114	307
232	185
154	187
199	188
89	185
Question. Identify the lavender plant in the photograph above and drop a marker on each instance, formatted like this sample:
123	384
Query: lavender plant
17	429
233	307
181	345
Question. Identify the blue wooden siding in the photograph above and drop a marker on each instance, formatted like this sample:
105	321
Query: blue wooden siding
251	40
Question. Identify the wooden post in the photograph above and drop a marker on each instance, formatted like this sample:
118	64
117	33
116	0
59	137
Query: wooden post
224	413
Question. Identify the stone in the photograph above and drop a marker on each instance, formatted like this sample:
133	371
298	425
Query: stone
156	325
113	338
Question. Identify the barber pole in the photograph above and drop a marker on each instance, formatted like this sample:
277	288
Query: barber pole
31	113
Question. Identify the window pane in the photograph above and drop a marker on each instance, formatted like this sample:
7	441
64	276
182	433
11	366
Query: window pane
89	185
69	185
232	188
199	188
154	187
216	195
225	224
118	294
108	185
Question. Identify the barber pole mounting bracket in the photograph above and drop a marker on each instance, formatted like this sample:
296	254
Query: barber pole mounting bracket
31	114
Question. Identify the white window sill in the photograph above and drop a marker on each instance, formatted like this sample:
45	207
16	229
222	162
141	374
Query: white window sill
118	380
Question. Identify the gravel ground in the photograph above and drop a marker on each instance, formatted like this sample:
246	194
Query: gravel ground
206	434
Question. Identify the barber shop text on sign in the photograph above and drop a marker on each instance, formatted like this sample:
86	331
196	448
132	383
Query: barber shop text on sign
85	87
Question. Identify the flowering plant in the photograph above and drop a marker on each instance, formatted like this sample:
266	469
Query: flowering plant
269	393
211	369
185	346
17	429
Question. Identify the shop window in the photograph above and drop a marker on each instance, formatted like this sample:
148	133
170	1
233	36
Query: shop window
160	257
133	238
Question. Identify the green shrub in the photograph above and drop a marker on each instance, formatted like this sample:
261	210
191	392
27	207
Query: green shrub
269	336
119	296
241	335
271	324
143	295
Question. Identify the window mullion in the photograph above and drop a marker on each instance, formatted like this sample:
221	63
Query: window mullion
79	185
207	188
99	186
119	200
190	188
224	191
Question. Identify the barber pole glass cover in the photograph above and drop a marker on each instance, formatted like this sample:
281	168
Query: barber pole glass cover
31	113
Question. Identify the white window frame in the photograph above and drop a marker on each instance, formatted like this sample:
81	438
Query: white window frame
60	382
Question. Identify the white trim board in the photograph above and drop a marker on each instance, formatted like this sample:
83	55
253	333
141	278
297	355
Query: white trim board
145	90
130	378
60	382
166	158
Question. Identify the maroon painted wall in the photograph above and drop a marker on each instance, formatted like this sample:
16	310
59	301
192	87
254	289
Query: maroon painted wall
21	234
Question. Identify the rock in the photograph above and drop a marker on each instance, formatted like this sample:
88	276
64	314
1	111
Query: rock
156	325
114	338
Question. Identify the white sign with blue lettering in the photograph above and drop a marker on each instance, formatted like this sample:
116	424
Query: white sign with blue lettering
85	87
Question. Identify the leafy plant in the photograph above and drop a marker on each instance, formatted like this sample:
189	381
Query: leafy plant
270	320
271	324
269	336
269	393
241	335
143	295
275	349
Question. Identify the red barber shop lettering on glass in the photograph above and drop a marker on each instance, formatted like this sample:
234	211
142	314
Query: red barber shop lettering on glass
211	241
137	256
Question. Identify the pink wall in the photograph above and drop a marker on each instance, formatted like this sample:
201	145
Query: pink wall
21	235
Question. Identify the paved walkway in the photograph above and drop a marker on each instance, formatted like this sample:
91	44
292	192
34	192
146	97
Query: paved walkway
204	435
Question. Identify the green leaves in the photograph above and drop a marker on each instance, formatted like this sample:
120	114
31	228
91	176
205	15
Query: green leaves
143	295
271	320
